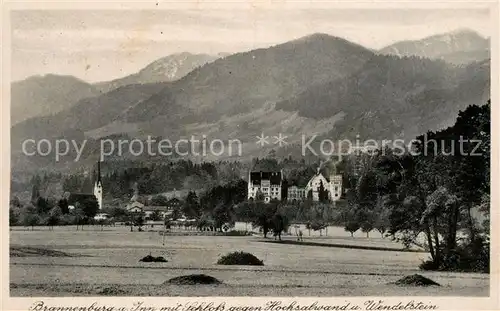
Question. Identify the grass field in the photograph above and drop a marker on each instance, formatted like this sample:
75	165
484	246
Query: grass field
94	262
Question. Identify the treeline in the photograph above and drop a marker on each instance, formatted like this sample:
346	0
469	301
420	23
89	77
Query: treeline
51	212
153	178
431	193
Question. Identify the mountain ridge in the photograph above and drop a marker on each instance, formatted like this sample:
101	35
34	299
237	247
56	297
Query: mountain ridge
317	84
444	46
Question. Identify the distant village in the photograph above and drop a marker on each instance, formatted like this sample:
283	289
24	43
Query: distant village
264	184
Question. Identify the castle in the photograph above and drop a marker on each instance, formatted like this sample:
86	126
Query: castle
266	184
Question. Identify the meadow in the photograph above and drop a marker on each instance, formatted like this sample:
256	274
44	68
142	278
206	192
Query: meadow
107	263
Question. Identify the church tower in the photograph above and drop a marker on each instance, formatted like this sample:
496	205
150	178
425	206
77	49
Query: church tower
98	186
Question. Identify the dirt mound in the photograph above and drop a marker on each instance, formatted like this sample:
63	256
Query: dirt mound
416	280
25	251
150	258
193	279
240	258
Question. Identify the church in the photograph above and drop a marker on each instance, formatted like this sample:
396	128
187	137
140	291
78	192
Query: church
97	192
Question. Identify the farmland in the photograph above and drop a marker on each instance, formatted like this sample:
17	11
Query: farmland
95	262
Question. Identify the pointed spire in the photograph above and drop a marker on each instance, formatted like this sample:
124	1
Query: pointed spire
98	171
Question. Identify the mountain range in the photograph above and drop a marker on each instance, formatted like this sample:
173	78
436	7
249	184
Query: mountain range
315	85
459	47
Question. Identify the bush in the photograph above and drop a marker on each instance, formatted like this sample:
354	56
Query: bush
193	279
474	256
240	258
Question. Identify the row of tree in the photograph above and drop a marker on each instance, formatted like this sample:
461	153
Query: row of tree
428	194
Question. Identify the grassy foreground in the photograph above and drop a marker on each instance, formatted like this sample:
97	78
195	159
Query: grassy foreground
94	262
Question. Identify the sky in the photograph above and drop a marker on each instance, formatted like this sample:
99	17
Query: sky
107	44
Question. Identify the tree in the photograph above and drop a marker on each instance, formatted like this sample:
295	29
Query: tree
63	205
15	202
159	200
191	206
79	216
54	216
367	223
42	205
30	220
90	206
382	222
138	221
223	214
13	217
35	188
279	224
262	216
352	226
176	213
322	193
155	216
118	214
244	212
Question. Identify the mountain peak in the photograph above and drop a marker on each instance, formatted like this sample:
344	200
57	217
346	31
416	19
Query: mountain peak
318	36
459	46
465	32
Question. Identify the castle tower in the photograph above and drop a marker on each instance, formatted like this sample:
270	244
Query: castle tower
98	186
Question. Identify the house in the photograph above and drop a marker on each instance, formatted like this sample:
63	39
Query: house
101	216
148	210
163	211
135	207
333	185
174	203
268	184
296	193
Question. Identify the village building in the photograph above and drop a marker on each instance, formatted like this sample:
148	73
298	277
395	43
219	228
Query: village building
333	185
162	211
296	193
266	184
135	207
75	199
101	216
174	203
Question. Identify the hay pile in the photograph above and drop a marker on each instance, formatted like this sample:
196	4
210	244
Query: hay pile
416	280
150	258
240	258
193	279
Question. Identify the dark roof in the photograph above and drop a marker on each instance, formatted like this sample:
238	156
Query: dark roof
155	208
275	178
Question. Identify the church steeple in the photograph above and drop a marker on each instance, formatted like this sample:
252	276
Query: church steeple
99	172
98	185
